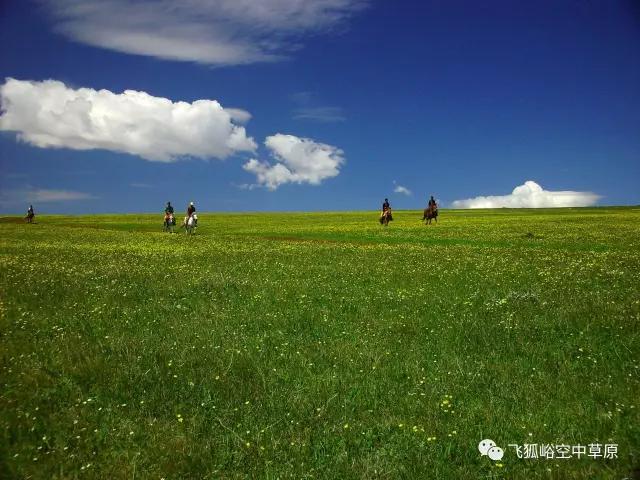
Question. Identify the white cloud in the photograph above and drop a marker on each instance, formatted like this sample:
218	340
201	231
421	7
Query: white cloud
298	160
320	114
531	195
308	109
42	195
238	115
49	114
215	32
403	190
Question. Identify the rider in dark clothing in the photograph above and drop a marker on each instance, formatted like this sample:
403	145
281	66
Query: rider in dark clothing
385	208
30	214
191	209
431	212
169	219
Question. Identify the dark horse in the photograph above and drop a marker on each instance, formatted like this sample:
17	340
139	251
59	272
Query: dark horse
429	214
386	217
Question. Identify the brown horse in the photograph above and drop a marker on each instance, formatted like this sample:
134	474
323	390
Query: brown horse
430	213
386	217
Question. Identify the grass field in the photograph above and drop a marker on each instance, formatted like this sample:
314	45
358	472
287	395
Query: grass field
319	345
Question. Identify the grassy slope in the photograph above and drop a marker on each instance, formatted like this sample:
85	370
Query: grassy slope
319	345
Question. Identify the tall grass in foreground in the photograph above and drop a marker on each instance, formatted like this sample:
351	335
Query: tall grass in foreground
319	345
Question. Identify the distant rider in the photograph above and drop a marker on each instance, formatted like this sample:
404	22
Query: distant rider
191	210
433	206
169	219
30	214
385	208
431	212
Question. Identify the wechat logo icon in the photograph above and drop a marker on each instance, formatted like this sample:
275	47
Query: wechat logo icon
489	448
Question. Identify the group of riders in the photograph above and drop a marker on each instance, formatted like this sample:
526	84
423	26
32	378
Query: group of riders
429	213
190	222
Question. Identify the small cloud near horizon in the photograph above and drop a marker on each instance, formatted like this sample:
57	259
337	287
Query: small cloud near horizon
530	195
402	190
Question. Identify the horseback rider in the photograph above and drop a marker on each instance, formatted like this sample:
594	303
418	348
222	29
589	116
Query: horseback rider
30	214
385	206
433	206
431	212
386	210
169	219
188	221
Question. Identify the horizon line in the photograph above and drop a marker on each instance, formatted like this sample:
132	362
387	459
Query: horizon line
253	212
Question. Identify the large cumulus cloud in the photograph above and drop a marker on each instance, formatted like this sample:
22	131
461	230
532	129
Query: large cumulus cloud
531	195
50	114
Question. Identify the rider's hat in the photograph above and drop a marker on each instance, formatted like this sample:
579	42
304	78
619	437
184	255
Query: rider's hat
191	203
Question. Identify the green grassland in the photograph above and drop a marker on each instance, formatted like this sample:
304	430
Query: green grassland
319	345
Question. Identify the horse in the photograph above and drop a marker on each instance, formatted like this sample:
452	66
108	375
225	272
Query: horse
430	213
29	218
169	222
190	224
386	217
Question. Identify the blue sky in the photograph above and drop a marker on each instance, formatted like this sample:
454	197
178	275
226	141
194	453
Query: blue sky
354	99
